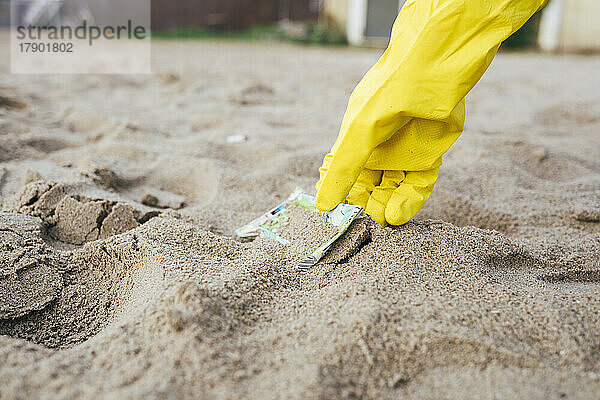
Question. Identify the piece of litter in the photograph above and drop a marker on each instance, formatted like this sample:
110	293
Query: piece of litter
270	223
236	139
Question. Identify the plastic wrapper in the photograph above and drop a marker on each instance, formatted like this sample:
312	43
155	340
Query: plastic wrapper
271	222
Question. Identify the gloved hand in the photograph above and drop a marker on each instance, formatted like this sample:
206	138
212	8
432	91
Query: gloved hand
409	108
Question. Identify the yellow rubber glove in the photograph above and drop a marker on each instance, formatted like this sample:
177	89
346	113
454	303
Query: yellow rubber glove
409	108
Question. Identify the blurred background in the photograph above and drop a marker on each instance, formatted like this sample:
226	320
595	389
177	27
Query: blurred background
564	25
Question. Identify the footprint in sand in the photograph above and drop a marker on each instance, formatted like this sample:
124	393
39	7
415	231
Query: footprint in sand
10	102
61	299
574	276
89	122
194	178
253	95
529	273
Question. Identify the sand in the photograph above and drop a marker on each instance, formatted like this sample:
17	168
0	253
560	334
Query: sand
120	276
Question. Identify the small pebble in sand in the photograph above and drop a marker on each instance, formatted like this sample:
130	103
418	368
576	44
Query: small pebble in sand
236	139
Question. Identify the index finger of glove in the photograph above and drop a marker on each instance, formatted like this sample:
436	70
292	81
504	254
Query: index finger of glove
339	177
363	187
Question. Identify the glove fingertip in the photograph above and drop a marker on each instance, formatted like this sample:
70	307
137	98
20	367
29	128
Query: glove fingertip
396	216
403	205
376	210
325	202
338	177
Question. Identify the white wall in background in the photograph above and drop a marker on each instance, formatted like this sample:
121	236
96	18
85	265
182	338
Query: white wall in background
570	25
551	26
361	11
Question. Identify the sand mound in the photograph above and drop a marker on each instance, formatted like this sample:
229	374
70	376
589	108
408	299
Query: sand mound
408	301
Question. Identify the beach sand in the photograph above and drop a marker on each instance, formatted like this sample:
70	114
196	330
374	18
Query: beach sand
120	276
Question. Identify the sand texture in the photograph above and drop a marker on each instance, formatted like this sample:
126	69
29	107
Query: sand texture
120	277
